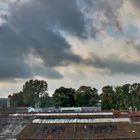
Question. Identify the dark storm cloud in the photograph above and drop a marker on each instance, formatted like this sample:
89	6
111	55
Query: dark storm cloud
46	72
130	68
34	27
63	14
114	65
54	50
136	3
12	63
12	68
109	8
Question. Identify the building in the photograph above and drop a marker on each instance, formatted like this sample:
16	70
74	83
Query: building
70	109
91	109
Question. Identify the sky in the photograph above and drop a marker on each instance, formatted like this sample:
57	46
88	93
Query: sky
69	43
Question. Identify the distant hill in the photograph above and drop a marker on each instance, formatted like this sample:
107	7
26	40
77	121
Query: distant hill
3	102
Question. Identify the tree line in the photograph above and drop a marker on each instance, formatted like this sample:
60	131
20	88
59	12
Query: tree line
35	93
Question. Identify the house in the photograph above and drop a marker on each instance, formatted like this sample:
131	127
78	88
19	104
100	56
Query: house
91	109
31	109
51	109
70	109
21	109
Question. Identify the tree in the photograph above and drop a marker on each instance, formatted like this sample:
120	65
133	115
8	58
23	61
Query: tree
122	98
64	97
33	90
108	98
126	99
17	99
135	96
119	98
86	96
46	101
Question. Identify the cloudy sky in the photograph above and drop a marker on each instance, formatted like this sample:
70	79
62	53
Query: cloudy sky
69	43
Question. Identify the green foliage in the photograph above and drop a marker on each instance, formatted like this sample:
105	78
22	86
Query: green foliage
108	98
46	101
86	96
135	96
64	97
33	90
17	99
126	97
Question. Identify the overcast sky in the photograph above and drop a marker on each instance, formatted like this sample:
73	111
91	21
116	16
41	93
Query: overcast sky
69	43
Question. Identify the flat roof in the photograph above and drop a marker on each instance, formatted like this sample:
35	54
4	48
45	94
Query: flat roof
96	120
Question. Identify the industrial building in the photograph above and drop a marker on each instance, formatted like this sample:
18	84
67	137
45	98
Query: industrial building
94	125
